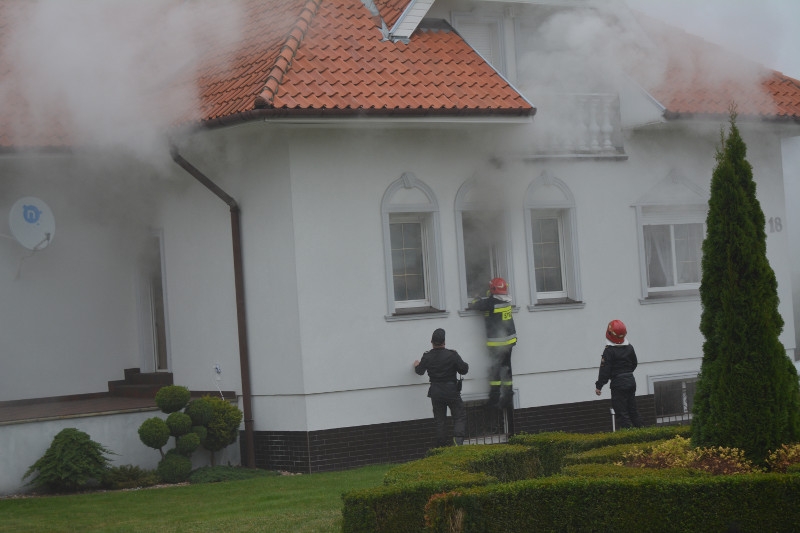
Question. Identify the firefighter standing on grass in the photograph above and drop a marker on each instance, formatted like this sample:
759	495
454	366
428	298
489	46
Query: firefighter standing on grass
501	337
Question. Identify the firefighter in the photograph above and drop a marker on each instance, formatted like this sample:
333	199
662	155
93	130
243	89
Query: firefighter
617	364
443	366
501	337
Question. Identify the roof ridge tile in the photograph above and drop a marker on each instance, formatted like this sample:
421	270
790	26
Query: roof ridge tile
267	96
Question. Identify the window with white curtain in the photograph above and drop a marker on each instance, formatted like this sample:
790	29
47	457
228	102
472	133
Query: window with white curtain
673	253
671	228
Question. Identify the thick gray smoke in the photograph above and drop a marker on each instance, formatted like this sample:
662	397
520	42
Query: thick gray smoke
113	73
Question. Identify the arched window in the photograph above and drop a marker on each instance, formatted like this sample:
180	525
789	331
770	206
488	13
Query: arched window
412	249
550	227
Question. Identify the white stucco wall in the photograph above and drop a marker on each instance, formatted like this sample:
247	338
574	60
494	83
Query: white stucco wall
68	323
322	353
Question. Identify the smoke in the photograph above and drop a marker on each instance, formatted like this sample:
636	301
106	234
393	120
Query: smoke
764	31
108	73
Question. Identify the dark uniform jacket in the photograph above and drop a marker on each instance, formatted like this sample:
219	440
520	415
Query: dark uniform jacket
617	365
500	329
442	366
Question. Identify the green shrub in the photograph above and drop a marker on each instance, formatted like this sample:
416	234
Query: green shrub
201	432
215	474
172	398
552	447
179	424
72	461
174	468
784	458
678	452
154	433
187	444
200	411
223	426
129	477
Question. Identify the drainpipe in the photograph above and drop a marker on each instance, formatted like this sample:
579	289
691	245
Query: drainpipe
241	317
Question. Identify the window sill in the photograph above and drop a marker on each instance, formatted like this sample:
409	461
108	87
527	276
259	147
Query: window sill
672	296
556	304
475	312
417	313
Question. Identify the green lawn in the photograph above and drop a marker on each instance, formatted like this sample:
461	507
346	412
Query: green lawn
305	503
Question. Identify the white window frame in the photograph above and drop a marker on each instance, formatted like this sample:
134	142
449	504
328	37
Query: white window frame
686	416
493	49
410	199
660	215
466	202
549	197
672	200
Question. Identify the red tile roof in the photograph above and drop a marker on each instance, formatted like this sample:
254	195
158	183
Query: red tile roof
703	79
332	60
296	58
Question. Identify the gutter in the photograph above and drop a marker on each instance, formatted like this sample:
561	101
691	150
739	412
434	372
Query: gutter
241	316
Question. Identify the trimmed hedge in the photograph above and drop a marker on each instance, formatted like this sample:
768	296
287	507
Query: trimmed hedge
552	447
568	482
399	505
752	502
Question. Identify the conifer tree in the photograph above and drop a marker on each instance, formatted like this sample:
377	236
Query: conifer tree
747	393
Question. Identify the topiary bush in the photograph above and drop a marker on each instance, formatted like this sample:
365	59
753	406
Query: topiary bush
179	424
200	411
154	433
223	426
72	462
174	467
172	398
187	444
210	422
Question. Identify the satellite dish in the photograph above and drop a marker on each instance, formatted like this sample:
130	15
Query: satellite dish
32	223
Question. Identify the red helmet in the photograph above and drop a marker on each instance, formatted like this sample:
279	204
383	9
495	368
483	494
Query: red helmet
498	286
616	331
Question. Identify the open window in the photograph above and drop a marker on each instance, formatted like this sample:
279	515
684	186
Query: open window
550	223
153	332
412	249
483	241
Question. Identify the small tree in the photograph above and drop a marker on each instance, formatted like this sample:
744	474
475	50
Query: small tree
71	462
747	394
209	421
222	422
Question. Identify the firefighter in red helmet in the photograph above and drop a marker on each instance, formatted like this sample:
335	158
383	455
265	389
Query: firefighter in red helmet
501	337
617	364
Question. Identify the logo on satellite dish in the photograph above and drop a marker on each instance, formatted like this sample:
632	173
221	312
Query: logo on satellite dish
31	214
32	223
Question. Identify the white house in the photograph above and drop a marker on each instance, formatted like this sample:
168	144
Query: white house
349	176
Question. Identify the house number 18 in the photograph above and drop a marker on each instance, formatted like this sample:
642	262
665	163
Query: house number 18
775	225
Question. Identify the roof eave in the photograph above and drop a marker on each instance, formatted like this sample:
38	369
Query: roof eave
521	115
740	117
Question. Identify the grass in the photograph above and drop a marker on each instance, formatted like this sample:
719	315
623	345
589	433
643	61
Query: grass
304	504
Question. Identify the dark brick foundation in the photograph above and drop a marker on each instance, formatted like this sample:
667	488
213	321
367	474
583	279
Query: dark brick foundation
396	442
